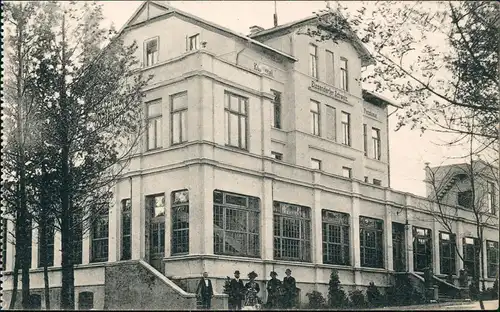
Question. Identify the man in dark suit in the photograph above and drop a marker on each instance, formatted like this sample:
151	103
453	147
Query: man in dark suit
236	289
205	291
289	290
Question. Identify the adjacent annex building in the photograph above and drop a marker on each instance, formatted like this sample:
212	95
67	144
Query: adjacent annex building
263	152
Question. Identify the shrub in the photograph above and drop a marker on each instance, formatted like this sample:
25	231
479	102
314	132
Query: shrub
316	300
357	298
336	295
373	295
227	285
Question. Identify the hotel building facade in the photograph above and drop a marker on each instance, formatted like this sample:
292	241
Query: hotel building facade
263	152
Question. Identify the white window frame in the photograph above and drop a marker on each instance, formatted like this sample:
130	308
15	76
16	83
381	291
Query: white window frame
158	125
344	74
155	57
194	42
313	60
181	114
376	144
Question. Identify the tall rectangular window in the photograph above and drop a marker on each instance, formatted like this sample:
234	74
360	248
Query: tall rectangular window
371	235
344	78
236	224
276	110
422	249
154	124
126	229
331	123
180	222
335	237
313	60
194	42
365	139
178	117
471	255
236	116
155	207
376	143
447	253
151	51
315	120
315	164
99	235
77	238
292	232
330	68
46	255
346	172
491	198
492	257
346	128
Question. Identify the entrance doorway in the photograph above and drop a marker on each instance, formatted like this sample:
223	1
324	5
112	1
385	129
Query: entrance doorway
398	247
155	223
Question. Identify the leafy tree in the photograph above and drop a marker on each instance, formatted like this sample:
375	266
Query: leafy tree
91	107
336	295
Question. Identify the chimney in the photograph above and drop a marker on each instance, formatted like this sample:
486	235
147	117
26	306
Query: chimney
255	29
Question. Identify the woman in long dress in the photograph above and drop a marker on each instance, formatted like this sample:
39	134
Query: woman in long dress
252	288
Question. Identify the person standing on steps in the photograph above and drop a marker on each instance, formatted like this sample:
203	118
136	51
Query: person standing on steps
289	290
236	290
205	291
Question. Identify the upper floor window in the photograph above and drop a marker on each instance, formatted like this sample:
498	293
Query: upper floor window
77	238
194	42
126	229
154	124
315	128
276	110
344	78
178	117
330	68
46	252
447	253
346	172
292	232
100	233
336	229
236	224
346	128
277	156
236	120
492	256
376	143
365	139
151	49
491	198
315	164
465	199
313	60
180	222
371	242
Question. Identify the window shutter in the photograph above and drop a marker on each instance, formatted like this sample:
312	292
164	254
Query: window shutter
330	123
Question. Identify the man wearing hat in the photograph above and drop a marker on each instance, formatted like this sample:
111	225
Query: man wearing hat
289	290
236	290
205	291
273	291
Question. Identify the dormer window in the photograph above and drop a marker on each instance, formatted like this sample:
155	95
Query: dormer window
194	42
151	51
465	199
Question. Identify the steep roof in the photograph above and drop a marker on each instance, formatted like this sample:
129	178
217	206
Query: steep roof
378	99
365	55
168	9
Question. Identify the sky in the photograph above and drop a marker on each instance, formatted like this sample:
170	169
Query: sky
409	149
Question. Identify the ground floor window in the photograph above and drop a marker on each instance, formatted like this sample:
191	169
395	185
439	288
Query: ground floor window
471	255
422	249
236	224
99	235
371	235
180	222
292	232
492	256
126	229
447	253
77	238
155	208
46	253
336	228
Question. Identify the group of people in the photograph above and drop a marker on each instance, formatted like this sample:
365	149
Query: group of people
279	294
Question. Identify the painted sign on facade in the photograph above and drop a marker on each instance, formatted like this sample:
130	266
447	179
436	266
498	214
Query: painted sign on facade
370	113
264	69
336	94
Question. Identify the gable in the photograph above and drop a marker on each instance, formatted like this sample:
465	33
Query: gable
148	10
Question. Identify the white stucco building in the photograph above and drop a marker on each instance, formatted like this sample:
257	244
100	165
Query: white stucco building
263	153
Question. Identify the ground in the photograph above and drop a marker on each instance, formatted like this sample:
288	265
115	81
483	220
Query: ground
474	305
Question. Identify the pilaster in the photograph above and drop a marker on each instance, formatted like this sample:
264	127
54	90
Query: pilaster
356	257
57	248
267	215
409	234
460	245
138	220
435	250
86	246
168	223
114	229
389	265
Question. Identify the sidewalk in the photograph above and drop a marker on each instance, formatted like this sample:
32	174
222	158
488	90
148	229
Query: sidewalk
474	305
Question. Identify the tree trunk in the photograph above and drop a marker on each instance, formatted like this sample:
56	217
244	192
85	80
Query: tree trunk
15	276
44	235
